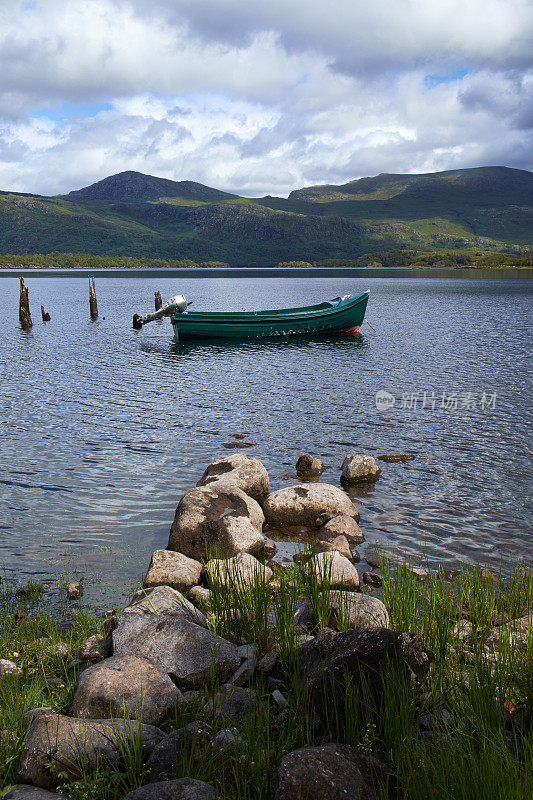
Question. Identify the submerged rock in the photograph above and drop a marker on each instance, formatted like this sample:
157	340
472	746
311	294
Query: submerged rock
75	590
309	468
418	573
55	743
373	579
308	505
489	577
451	574
270	549
241	572
168	568
239	472
217	520
331	772
371	558
394	458
124	684
188	653
359	469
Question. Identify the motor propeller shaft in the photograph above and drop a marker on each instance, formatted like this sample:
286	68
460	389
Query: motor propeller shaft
177	304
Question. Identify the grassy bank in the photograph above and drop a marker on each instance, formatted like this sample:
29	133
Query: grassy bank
467	734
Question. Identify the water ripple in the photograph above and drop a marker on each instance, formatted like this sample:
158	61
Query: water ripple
103	427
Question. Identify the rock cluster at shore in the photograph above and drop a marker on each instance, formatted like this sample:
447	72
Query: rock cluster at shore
161	650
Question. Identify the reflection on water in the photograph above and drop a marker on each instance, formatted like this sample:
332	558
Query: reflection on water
103	427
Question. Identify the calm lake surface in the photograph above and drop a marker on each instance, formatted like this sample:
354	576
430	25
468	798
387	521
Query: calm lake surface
103	427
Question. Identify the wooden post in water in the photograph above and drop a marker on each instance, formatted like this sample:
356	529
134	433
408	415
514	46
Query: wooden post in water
24	307
45	315
93	305
158	301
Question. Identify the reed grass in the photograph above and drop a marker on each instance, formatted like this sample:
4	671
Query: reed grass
480	741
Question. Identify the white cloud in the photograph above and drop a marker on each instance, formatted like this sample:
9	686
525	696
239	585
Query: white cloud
260	97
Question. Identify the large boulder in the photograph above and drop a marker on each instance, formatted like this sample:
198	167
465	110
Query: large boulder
364	657
180	789
190	654
168	757
124	684
24	792
332	772
344	610
217	521
240	472
359	469
307	505
55	743
332	569
168	568
241	572
309	468
164	600
342	526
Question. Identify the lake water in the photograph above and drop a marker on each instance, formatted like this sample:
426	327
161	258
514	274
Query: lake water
103	427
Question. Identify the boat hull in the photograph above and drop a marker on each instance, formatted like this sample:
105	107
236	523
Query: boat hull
340	316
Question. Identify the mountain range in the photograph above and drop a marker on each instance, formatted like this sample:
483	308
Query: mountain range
484	208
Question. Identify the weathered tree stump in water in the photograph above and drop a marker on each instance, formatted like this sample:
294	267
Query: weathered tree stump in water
45	315
93	305
158	301
24	307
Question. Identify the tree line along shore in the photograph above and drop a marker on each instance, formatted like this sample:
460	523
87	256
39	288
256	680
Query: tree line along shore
234	673
392	258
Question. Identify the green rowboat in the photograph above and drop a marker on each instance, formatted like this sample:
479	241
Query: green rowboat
343	315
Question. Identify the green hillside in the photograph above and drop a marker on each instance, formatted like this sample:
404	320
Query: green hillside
493	202
131	214
137	187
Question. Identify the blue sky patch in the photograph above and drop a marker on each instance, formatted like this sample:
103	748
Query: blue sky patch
431	81
72	110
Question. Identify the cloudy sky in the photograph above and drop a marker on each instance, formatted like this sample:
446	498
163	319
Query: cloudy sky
261	96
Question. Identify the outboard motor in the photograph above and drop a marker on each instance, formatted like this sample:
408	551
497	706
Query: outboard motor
177	304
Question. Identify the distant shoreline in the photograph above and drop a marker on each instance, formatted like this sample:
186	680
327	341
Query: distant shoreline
275	272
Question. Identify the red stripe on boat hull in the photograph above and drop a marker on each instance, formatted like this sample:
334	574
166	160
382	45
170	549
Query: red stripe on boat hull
350	331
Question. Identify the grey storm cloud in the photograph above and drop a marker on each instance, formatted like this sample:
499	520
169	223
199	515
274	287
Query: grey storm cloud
357	36
258	97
